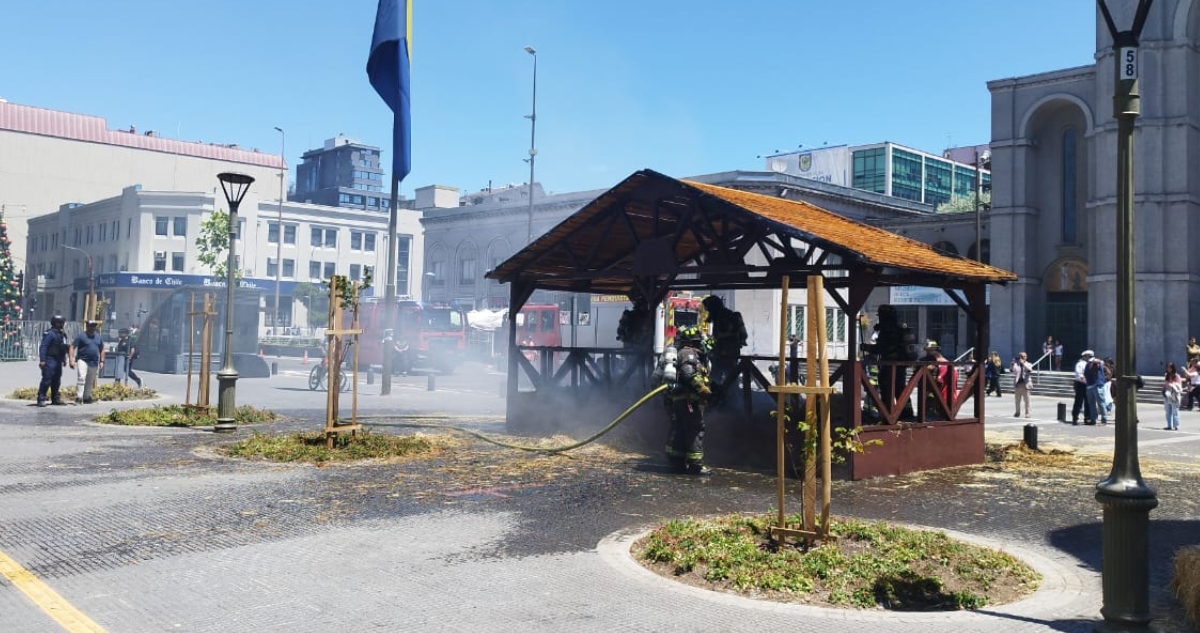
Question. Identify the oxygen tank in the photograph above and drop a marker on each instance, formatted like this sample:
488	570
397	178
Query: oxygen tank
670	355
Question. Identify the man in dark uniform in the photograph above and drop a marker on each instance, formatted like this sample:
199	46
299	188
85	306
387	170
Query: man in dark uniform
685	399
52	353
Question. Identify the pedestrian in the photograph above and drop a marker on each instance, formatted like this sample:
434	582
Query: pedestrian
1093	374
1110	370
992	371
1048	351
685	372
1080	385
86	356
125	351
945	380
1021	370
1192	393
1172	392
52	353
1192	350
133	355
1058	355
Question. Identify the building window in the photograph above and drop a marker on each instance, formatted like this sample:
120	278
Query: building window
356	240
160	261
289	234
369	242
89	234
103	232
466	271
160	226
439	273
78	236
273	233
835	325
177	262
180	227
116	230
289	268
907	175
54	241
330	270
314	271
272	267
403	248
128	228
1069	199
324	237
795	324
870	170
355	272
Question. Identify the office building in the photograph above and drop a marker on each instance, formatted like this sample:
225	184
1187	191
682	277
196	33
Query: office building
49	158
140	245
343	173
885	168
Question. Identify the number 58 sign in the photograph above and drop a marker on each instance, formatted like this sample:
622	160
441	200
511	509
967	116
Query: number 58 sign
1127	64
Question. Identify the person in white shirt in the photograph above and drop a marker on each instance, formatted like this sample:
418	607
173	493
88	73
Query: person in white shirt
1080	385
1021	371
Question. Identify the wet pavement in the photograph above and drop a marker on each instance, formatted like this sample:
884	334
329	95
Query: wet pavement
152	530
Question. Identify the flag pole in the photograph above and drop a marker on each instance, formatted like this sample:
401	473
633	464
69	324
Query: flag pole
390	291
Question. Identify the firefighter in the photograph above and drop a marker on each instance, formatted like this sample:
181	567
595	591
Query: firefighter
685	371
729	336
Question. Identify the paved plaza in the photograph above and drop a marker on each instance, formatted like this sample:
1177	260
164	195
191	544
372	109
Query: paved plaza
131	530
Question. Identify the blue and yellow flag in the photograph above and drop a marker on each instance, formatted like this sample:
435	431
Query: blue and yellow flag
387	68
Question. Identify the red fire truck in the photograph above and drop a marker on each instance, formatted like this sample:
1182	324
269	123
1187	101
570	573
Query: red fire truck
431	336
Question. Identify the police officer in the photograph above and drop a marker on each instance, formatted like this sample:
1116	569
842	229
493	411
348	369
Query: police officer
52	353
686	373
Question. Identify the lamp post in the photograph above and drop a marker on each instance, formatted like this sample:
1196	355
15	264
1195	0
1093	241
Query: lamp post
532	116
1126	498
980	159
89	305
279	229
235	186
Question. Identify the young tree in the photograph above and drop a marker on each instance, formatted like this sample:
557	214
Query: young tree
963	204
12	346
213	242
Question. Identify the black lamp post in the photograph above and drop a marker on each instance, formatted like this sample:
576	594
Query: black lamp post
235	186
1126	498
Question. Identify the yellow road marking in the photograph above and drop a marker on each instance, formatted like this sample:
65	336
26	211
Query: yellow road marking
47	599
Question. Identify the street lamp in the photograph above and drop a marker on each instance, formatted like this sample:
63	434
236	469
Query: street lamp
89	305
279	227
532	116
980	160
1126	498
235	186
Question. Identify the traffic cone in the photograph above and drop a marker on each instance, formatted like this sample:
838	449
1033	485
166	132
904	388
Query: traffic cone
305	361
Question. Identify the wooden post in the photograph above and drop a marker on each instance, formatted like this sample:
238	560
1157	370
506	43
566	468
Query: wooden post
814	341
816	286
780	402
187	397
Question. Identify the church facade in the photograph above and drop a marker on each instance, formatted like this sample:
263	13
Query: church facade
1053	218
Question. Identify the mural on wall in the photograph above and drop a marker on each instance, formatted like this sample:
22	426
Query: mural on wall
1068	274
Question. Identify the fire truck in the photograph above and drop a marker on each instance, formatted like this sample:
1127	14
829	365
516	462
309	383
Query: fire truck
541	324
426	336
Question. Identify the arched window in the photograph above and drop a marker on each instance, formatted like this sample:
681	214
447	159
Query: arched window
945	247
1070	200
985	246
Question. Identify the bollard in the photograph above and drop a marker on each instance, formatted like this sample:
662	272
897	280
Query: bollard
1062	412
1031	437
274	366
432	386
370	374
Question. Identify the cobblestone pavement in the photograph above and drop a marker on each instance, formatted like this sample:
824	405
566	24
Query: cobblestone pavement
151	530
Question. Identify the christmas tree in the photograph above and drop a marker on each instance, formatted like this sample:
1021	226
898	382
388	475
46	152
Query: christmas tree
12	347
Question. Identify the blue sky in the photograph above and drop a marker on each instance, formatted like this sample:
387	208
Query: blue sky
683	87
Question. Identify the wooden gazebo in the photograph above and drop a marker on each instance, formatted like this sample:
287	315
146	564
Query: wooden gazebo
652	234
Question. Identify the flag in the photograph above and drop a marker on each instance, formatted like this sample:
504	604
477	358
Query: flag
387	68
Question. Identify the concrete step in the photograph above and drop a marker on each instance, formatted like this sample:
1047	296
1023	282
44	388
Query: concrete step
1060	384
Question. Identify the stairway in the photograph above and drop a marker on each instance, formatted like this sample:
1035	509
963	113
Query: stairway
1058	384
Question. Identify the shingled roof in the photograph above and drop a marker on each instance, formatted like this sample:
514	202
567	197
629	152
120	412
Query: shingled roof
705	236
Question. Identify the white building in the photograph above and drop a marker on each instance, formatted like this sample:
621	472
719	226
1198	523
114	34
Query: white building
50	158
141	245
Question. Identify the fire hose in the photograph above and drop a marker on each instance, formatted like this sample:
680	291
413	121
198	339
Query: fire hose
521	447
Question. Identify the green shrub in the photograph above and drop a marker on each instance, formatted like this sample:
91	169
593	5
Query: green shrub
310	447
183	416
